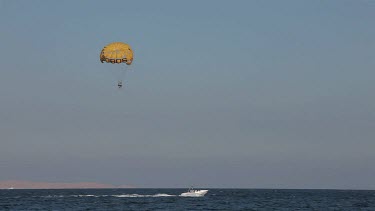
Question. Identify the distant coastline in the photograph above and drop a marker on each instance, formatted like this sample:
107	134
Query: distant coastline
20	184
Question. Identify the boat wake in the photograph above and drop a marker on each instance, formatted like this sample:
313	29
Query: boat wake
195	193
140	195
119	196
190	193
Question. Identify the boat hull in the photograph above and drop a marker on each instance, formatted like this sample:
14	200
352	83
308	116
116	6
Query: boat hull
195	193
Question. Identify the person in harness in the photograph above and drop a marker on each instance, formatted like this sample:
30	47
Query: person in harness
119	84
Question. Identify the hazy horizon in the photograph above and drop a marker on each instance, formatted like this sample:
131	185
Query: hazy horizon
242	94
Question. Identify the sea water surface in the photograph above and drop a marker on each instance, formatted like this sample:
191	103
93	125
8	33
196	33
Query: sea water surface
169	199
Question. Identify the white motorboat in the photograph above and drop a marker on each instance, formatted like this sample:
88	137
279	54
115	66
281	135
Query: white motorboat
194	193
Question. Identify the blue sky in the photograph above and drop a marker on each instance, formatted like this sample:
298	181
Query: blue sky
251	94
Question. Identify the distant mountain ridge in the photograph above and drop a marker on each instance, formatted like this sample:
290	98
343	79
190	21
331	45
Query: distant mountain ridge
19	184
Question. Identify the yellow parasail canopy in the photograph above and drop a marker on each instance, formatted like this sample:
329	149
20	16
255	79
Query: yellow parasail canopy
117	52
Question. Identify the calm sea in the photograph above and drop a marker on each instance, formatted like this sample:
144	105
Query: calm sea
169	199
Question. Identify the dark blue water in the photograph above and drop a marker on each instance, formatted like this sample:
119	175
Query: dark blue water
169	199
